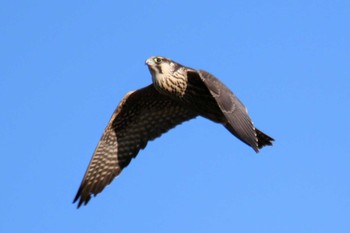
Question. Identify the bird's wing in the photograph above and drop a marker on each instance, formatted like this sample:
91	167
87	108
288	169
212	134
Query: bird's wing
238	121
141	116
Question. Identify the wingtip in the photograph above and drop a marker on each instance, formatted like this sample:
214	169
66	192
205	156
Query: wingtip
256	149
76	198
81	199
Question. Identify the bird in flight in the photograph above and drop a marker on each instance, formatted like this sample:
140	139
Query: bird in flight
177	94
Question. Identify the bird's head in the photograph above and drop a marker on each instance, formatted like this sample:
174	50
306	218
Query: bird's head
167	75
160	65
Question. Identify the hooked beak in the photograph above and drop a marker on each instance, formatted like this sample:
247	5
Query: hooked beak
150	62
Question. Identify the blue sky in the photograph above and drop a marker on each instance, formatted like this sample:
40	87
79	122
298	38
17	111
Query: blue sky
64	67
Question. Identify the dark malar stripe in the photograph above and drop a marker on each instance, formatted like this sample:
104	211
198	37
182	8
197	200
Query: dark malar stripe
159	69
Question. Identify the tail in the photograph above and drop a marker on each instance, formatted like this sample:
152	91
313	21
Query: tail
263	139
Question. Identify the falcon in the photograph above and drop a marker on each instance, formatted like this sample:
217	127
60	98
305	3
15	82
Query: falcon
177	94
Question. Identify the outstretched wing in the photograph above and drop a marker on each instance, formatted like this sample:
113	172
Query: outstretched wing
142	115
237	120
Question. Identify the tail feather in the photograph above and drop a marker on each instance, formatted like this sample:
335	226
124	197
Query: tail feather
263	139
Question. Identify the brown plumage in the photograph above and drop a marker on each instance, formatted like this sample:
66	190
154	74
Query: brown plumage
178	94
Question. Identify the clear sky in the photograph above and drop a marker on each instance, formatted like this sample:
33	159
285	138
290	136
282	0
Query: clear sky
65	66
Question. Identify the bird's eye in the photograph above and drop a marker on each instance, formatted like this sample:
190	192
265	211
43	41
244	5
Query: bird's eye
157	60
